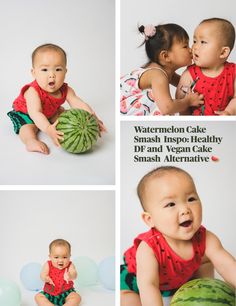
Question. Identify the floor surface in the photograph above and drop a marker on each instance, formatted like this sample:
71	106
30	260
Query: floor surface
19	167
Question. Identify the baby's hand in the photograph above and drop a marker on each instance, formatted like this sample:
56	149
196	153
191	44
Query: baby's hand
67	276
101	126
222	113
195	99
54	134
49	280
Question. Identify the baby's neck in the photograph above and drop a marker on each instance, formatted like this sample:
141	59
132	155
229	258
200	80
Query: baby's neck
213	71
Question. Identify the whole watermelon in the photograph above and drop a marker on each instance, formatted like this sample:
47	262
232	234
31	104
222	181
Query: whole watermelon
80	130
204	292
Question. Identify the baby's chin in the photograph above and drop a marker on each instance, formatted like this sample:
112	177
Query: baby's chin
60	267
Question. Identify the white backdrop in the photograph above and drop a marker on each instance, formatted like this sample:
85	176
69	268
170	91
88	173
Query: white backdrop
183	12
30	220
86	30
215	181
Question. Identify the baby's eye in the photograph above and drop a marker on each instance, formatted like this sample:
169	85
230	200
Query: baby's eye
44	69
191	199
203	42
59	69
194	41
170	204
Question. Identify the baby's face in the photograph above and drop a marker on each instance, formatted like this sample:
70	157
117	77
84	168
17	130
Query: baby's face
207	45
60	256
180	53
173	205
49	70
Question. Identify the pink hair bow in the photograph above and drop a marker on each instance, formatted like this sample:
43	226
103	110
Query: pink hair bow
149	31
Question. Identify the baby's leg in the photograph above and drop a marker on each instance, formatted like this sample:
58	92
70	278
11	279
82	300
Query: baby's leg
73	299
128	298
28	135
41	300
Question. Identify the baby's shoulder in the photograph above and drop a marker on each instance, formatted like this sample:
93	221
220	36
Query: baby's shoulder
30	92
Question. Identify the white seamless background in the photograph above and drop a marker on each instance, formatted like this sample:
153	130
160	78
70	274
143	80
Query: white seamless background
86	30
183	12
30	220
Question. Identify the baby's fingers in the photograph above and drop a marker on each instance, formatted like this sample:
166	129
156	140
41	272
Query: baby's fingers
56	142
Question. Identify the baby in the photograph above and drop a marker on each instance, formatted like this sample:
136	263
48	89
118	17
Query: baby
177	247
58	274
214	77
39	103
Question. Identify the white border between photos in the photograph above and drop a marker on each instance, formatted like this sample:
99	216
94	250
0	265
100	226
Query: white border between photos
117	144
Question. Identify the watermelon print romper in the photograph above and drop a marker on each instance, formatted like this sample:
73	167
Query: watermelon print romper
57	294
217	91
19	115
135	101
173	270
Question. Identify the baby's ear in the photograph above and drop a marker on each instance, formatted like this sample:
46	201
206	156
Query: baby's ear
32	72
147	219
164	56
225	51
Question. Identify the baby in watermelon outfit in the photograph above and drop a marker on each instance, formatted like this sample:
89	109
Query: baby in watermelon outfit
177	247
39	103
212	44
58	274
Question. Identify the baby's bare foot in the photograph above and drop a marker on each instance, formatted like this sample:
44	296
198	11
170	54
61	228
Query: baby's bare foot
35	145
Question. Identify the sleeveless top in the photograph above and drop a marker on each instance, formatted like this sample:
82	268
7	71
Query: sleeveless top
173	270
217	91
135	101
50	104
57	277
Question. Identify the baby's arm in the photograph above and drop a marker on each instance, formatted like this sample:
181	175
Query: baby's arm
224	263
147	276
70	274
76	102
231	107
45	274
175	79
161	92
34	107
183	88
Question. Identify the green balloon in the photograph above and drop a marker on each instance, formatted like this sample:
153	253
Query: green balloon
9	293
87	271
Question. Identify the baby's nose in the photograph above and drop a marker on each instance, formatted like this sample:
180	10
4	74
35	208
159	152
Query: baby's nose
51	74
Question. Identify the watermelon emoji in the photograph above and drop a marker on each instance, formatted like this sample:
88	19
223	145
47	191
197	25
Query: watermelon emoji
204	292
80	130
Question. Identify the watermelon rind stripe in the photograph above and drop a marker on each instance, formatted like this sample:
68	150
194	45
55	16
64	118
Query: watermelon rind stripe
204	292
80	130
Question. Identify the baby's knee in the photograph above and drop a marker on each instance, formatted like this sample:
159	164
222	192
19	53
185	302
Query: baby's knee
38	297
75	297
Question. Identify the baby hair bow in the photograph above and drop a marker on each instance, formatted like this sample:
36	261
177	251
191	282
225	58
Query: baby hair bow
149	31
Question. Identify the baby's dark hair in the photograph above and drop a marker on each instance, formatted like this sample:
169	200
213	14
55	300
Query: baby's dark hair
162	40
47	47
226	29
156	173
59	242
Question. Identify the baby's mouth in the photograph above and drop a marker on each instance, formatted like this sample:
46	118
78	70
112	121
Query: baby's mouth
186	223
60	265
51	83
